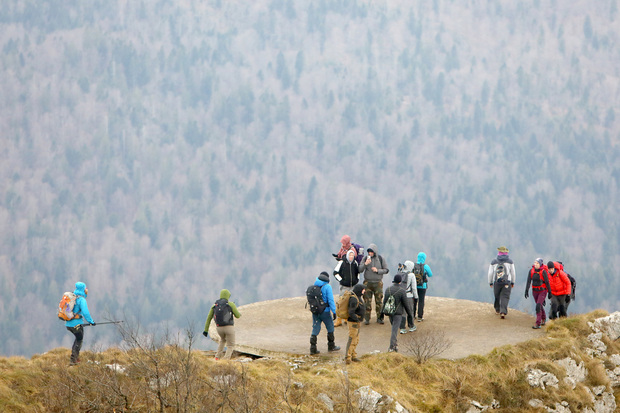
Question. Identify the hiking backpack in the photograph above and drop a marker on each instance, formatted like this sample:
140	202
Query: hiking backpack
420	274
65	307
389	308
500	272
573	285
342	306
222	313
314	295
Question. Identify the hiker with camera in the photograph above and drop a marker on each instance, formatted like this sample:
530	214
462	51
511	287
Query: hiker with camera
224	312
394	301
79	309
322	306
501	276
374	268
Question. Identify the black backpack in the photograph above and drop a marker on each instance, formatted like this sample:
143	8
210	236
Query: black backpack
420	274
315	299
222	313
573	285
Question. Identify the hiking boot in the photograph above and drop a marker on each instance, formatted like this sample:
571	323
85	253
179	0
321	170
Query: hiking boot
313	349
380	321
331	342
414	328
355	359
347	361
366	322
338	322
420	320
543	322
393	350
536	326
403	331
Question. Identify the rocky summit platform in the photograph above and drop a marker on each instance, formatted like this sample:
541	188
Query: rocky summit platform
283	327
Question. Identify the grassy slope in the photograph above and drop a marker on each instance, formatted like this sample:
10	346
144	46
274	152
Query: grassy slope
198	383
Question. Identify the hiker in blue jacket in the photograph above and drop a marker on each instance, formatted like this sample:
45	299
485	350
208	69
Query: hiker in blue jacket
326	317
418	303
80	309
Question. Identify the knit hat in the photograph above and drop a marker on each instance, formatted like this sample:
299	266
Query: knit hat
502	249
539	260
550	265
398	279
324	276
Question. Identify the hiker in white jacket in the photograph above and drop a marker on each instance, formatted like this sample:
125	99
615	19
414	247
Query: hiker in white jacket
412	293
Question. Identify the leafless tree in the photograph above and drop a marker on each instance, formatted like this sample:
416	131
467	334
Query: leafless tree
425	344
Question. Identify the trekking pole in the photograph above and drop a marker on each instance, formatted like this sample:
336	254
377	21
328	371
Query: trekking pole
105	322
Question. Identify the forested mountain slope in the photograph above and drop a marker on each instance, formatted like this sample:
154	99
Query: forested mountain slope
161	151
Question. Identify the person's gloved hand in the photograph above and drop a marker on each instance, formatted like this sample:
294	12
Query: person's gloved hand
93	324
549	295
567	299
204	333
334	316
527	295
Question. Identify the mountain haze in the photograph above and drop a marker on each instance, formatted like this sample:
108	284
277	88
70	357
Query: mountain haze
161	151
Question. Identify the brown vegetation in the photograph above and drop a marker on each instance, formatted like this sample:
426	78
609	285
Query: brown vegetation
167	376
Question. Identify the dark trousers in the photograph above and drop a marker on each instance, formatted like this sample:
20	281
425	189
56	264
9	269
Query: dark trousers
78	332
418	304
408	319
502	296
557	306
395	320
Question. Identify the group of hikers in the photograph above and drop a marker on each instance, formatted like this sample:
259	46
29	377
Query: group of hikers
402	301
548	282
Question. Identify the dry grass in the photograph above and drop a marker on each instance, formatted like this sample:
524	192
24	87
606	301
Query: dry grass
171	378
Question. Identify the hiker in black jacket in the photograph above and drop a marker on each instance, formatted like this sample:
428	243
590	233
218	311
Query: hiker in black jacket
400	301
356	315
347	273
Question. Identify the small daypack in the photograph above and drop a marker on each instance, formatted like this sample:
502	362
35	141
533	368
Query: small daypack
389	308
420	274
360	252
342	306
315	299
222	313
65	307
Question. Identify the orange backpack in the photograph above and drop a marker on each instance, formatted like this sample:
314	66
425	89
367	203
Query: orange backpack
65	307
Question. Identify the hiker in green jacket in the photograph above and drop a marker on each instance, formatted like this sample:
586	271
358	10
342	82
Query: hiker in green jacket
223	311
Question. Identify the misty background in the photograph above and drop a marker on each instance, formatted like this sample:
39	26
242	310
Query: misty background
161	151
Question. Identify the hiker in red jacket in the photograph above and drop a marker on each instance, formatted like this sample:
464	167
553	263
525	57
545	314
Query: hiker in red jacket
560	288
538	277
